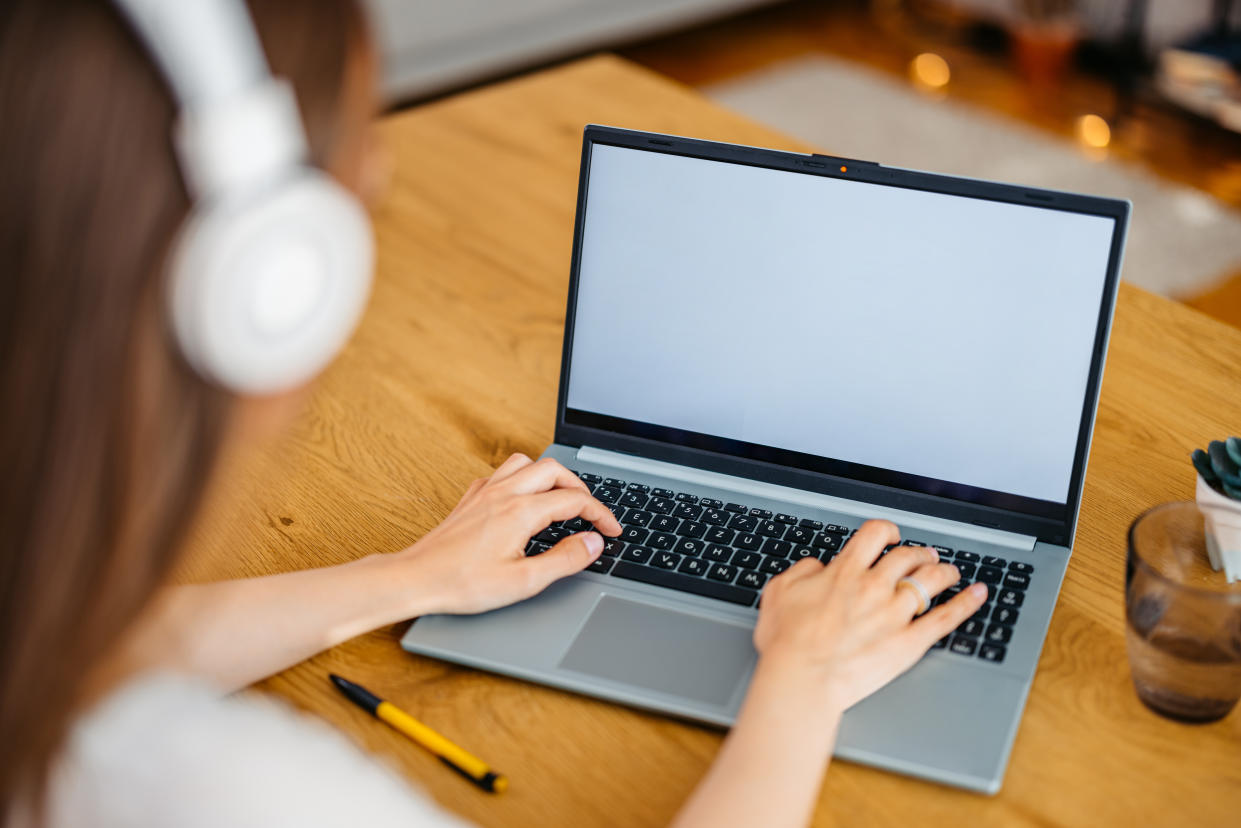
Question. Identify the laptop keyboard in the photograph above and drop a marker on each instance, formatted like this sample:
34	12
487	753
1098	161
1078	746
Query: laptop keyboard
728	551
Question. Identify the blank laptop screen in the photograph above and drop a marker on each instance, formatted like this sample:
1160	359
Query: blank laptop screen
936	335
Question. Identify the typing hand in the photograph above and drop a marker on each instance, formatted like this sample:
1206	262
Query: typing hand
475	560
846	626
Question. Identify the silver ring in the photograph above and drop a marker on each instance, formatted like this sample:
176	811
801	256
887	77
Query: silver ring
924	597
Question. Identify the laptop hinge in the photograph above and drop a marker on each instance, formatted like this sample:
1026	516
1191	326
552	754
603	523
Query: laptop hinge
743	486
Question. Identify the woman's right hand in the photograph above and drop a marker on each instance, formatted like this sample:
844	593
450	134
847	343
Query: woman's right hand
475	561
846	626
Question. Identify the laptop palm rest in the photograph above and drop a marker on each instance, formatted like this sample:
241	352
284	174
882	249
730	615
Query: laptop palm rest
637	643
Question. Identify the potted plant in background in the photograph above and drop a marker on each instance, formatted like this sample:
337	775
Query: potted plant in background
1219	497
1045	35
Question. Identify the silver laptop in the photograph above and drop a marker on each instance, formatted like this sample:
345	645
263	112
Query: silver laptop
764	349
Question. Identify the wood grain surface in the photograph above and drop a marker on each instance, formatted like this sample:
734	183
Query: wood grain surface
456	365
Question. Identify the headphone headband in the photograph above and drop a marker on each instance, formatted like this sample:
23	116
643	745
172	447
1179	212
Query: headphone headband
272	267
237	125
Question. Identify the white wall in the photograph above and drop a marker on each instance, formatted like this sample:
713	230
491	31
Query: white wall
432	45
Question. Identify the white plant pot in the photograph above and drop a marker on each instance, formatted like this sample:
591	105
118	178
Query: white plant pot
1223	530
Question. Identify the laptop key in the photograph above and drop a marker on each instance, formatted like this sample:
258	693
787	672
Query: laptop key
751	579
690	529
779	548
637	554
689	546
714	517
613	546
799	552
966	569
963	645
660	505
962	555
1016	580
774	566
1018	566
720	534
589	478
664	523
991	652
693	566
770	528
535	548
943	551
837	529
709	503
1009	598
736	507
634	500
633	534
664	493
665	560
761	513
577	525
971	627
685	583
637	517
722	572
661	540
999	634
552	536
783	518
799	535
1005	615
743	523
614	483
717	553
747	560
992	560
601	565
989	574
607	494
827	541
685	497
639	487
747	541
689	511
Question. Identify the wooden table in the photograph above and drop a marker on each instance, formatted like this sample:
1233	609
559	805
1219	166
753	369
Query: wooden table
456	365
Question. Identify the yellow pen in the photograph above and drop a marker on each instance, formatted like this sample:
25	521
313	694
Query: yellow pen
464	763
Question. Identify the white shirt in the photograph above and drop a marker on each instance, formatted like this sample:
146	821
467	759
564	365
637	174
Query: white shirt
169	751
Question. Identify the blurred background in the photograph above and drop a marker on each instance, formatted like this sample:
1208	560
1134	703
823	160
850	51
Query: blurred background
1138	99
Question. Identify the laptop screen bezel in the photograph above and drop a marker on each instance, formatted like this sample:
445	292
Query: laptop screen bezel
1048	521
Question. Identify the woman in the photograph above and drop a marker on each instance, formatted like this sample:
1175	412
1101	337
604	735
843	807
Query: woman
112	683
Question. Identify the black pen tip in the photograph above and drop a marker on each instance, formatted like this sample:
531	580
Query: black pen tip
356	693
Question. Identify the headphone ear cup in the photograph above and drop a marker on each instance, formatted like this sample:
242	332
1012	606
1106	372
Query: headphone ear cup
266	290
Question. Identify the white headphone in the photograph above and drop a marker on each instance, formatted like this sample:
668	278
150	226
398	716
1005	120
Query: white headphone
272	268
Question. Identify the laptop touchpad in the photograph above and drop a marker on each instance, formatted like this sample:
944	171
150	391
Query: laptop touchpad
672	652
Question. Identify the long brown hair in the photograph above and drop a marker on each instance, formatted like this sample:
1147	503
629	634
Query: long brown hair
108	439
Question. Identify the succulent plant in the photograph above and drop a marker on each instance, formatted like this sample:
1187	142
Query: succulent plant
1220	466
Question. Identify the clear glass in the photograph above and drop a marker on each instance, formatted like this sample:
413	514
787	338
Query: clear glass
1183	619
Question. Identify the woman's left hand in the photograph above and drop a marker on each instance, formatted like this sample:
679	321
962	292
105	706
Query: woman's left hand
475	560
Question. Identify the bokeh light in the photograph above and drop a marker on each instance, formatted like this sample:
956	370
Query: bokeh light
1093	131
930	70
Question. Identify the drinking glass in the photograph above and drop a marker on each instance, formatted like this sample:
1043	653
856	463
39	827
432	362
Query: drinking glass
1183	620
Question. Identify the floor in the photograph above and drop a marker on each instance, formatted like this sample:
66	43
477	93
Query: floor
1174	146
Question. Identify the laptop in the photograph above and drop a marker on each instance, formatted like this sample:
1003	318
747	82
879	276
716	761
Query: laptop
763	350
